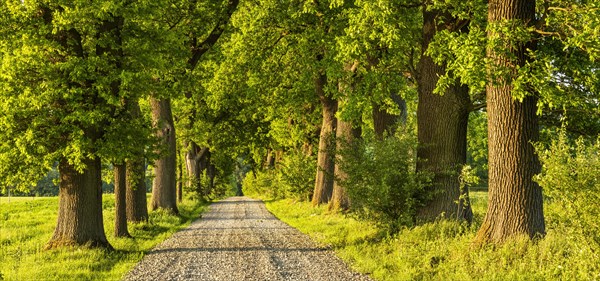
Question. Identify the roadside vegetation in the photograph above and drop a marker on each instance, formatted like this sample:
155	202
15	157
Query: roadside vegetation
443	250
27	223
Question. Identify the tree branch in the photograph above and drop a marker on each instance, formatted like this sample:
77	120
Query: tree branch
199	49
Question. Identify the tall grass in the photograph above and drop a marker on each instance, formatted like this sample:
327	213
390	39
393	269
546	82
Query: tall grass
27	224
443	250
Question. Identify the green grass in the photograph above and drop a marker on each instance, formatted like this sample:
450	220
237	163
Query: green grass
443	250
27	223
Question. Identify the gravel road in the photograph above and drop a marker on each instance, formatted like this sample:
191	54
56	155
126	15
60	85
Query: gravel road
238	239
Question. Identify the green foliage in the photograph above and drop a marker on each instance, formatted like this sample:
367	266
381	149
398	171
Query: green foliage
570	180
477	146
264	184
443	250
298	175
68	72
382	183
293	178
27	224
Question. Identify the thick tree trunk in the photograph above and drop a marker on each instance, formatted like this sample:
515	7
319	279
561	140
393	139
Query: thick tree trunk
326	156
442	134
385	123
120	173
345	135
164	193
514	199
80	207
137	204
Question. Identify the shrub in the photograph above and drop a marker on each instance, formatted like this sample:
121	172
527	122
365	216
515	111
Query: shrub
571	183
263	184
297	174
382	183
293	177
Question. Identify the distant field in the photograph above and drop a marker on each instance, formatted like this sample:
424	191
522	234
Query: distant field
12	199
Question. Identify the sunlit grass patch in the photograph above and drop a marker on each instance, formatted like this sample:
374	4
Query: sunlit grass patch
444	250
26	225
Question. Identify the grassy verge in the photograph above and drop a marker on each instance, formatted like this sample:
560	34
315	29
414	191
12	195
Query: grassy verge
27	224
443	250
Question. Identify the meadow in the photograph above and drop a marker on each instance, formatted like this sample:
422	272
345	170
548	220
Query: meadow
27	223
443	250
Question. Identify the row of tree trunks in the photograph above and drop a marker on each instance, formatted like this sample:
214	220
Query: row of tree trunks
514	199
326	155
164	193
442	134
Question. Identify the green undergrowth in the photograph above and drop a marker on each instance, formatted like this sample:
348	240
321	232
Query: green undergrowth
26	224
443	250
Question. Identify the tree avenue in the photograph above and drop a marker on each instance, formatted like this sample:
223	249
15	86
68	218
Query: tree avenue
362	105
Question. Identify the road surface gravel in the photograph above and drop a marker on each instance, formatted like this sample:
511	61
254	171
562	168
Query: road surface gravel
239	239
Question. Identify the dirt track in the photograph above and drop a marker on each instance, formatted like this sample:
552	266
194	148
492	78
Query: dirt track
238	239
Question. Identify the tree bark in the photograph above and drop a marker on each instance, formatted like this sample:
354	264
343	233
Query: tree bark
179	179
514	199
80	207
120	173
326	155
194	163
345	136
135	175
270	161
137	204
211	173
442	134
164	193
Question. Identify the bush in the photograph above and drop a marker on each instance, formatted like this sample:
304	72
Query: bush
293	178
571	183
263	184
297	174
382	183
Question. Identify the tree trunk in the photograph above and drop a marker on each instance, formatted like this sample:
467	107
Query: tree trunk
137	204
193	166
345	135
135	174
442	134
164	193
179	180
80	207
386	123
270	161
326	156
120	173
514	199
211	173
